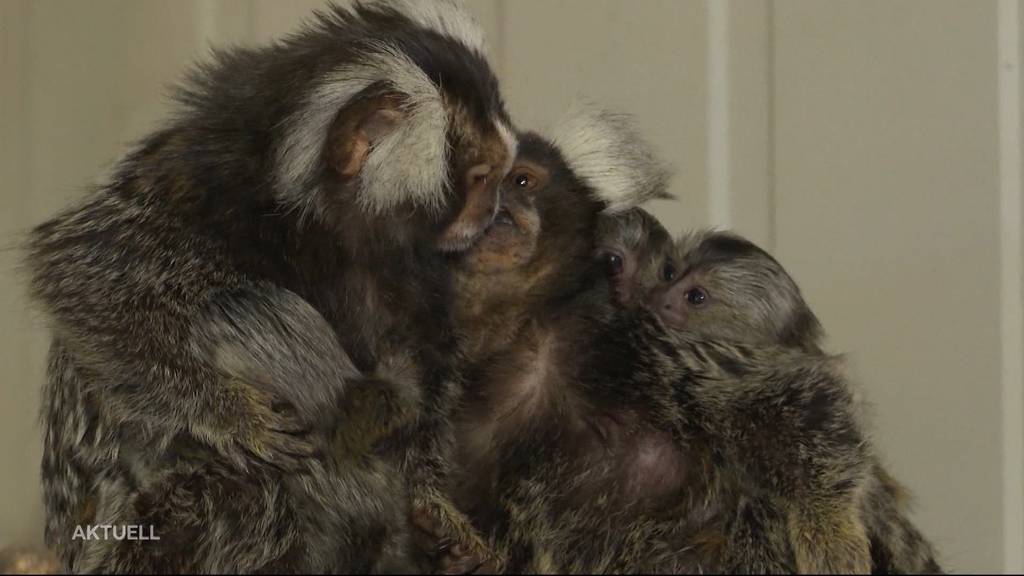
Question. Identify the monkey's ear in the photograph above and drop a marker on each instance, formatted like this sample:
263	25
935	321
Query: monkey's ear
381	124
605	150
358	129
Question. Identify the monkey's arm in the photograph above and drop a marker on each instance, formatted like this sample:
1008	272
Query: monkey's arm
172	338
788	423
256	370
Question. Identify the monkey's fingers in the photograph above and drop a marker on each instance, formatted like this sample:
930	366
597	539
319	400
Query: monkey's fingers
291	429
287	451
459	548
446	555
457	561
285	420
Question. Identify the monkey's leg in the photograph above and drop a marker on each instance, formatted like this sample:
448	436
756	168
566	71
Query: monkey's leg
198	518
757	540
423	451
78	449
829	537
463	549
372	411
210	519
897	546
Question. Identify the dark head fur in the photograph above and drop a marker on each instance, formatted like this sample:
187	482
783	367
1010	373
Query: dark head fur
633	248
707	284
538	253
281	238
254	123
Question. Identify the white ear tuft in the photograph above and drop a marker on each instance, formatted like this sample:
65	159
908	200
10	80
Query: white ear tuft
446	17
605	150
408	165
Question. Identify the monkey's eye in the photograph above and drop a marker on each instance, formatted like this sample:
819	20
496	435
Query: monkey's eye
526	176
696	296
524	179
668	272
613	262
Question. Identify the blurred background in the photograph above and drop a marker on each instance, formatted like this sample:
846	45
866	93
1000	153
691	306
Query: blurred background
874	146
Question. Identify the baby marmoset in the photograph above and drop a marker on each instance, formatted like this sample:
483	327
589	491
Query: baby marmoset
720	286
593	439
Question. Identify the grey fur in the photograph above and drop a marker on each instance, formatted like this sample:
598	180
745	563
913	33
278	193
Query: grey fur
606	151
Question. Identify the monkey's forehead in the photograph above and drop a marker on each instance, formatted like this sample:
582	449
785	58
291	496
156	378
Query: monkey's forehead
736	257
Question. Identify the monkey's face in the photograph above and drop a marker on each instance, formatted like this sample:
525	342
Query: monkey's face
482	155
543	228
636	253
510	242
717	285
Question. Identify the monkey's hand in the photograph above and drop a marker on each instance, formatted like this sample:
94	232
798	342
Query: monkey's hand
281	375
374	408
450	540
269	431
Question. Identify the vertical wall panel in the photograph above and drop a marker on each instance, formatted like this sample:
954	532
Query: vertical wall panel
750	145
1012	281
887	200
19	442
1020	73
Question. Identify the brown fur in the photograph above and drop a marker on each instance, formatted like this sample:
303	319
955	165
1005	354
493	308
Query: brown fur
597	439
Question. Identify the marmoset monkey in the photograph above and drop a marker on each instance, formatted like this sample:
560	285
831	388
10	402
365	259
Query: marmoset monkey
597	439
273	257
756	292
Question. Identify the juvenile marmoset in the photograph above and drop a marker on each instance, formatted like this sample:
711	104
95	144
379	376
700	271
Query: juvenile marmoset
532	271
257	270
598	439
642	262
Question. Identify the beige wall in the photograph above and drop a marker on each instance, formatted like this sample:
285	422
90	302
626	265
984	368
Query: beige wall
870	144
887	211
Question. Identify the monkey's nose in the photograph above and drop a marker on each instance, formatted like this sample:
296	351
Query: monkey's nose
504	217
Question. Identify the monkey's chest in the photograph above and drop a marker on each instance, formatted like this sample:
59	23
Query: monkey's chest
527	416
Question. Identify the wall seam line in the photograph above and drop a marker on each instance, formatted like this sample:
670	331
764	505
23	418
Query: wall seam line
719	201
770	141
1011	285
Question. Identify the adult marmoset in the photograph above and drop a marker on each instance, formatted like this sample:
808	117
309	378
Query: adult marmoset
272	257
